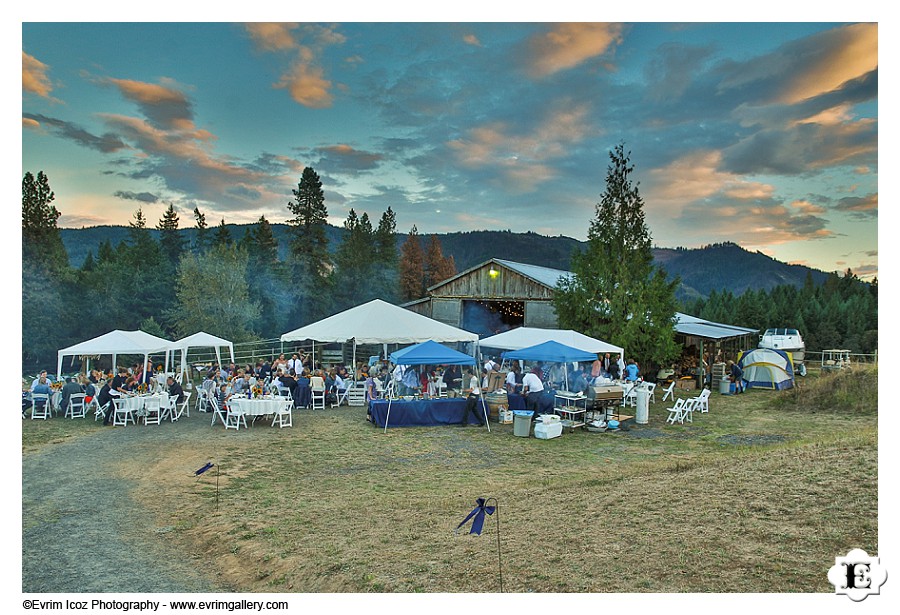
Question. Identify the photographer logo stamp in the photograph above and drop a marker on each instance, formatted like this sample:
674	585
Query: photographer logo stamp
857	575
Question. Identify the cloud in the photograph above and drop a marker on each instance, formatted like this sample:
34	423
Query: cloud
345	159
809	67
272	36
30	123
859	207
165	106
142	197
808	208
307	86
34	76
569	44
671	69
304	80
107	143
471	39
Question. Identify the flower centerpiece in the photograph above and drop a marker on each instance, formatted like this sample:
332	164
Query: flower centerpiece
257	392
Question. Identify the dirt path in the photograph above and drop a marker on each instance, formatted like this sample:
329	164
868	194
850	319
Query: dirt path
81	530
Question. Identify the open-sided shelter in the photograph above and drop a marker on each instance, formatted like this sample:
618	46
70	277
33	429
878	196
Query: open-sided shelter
523	337
202	339
432	353
116	343
378	322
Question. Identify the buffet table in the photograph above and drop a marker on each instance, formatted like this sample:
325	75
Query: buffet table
422	412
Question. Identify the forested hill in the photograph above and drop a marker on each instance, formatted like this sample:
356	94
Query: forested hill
724	266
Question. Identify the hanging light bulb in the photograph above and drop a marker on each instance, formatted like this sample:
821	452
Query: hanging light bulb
493	272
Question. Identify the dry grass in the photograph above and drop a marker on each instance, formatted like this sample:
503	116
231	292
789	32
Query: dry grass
747	499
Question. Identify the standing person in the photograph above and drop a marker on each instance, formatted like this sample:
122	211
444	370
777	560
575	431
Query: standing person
474	392
533	388
737	376
597	366
513	378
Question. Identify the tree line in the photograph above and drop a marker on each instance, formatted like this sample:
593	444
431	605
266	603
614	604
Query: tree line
842	312
234	287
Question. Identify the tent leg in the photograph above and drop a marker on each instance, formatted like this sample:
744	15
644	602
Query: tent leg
487	422
388	417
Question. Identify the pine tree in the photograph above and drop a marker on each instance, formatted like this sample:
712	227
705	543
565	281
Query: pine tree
616	293
169	235
41	241
437	267
222	236
385	275
202	241
412	267
311	263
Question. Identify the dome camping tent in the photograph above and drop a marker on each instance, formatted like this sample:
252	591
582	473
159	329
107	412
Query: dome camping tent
766	368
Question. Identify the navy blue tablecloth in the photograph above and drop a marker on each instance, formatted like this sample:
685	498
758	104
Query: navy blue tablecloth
421	412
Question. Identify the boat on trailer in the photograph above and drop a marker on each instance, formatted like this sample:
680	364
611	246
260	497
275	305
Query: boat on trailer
787	340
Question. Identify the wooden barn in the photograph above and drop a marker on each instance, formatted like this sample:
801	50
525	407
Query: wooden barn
493	297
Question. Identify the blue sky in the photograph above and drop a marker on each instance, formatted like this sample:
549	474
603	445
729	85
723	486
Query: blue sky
765	134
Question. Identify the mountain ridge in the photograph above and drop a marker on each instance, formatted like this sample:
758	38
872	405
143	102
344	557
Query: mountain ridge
719	267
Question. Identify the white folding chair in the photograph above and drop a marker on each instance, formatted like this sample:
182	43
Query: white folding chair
629	394
217	412
676	412
234	417
441	386
99	411
702	403
183	409
75	408
40	406
283	416
318	397
152	411
687	411
651	389
669	391
202	400
122	412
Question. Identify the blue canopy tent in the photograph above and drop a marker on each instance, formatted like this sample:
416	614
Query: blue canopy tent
552	352
431	353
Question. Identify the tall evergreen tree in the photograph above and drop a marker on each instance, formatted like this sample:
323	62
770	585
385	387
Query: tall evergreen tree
311	263
412	267
222	236
201	243
169	235
616	293
385	275
40	235
437	266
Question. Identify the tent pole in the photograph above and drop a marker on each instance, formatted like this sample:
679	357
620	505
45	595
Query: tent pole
354	360
144	369
388	417
487	422
702	378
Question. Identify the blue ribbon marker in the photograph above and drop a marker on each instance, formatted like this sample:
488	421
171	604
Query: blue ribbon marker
477	512
203	469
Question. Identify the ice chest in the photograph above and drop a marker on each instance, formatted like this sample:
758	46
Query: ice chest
545	431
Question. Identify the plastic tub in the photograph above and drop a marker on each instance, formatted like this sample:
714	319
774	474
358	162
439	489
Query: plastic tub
521	423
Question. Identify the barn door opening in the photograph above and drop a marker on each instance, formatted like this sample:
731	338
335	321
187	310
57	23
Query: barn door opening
486	317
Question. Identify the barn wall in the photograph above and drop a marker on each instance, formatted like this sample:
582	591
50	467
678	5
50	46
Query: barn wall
447	311
540	314
479	284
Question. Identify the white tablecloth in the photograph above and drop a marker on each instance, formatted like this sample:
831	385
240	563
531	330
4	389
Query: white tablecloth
257	407
136	403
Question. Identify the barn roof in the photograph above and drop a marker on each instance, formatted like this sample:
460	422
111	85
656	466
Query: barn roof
544	276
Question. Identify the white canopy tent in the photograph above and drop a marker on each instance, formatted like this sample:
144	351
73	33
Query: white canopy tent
115	343
525	337
378	322
201	339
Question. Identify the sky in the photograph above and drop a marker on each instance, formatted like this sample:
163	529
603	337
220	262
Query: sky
763	134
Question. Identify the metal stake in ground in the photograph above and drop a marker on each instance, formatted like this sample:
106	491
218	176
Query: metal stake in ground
209	465
478	513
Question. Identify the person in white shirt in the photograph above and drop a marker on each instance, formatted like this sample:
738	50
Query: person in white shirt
533	389
472	400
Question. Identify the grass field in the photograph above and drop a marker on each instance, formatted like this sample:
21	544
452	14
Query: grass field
748	498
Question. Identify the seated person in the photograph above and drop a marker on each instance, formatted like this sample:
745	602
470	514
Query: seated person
70	388
631	371
104	398
582	381
175	390
41	379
